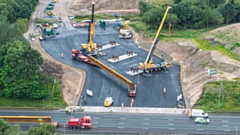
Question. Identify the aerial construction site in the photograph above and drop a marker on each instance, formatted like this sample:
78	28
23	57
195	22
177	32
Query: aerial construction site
116	67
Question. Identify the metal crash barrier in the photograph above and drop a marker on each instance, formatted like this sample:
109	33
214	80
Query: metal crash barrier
27	119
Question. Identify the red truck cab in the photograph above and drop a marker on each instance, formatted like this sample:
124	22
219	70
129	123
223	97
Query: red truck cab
83	123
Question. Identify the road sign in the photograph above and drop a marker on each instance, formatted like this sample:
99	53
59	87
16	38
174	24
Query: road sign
212	72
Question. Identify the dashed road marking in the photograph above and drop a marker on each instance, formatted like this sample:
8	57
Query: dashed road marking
170	119
122	57
227	130
225	125
96	117
122	118
120	127
171	128
225	121
170	124
199	129
145	123
95	122
121	123
145	128
94	126
146	119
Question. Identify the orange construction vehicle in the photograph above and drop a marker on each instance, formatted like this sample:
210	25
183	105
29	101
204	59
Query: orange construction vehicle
77	123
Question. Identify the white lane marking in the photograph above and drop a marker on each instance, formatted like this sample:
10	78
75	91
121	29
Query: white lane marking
94	126
96	117
145	123
225	125
227	130
170	124
170	119
120	127
145	128
225	121
121	123
122	57
122	118
199	129
95	122
146	119
104	47
198	125
171	128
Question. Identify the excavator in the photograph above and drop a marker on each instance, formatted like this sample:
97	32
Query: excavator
148	66
49	13
90	48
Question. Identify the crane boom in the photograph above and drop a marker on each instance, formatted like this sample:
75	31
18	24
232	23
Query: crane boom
155	41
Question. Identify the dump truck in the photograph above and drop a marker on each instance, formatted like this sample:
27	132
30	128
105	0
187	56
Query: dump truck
77	123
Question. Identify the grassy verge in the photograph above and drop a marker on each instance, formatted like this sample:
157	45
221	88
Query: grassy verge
50	102
225	96
205	45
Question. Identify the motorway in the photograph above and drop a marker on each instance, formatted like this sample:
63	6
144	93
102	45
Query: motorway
141	123
149	89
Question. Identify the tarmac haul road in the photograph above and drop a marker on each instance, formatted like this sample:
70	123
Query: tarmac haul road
127	123
102	84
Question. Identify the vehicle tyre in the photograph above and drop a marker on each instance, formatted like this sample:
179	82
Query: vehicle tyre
86	127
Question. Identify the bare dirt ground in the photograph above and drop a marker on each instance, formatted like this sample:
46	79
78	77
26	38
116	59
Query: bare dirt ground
195	63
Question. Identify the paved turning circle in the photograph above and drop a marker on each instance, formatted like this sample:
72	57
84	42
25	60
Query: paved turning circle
149	89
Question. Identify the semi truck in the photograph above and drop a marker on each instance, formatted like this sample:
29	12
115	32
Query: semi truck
77	123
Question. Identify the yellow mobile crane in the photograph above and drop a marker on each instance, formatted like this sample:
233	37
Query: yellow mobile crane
148	66
90	48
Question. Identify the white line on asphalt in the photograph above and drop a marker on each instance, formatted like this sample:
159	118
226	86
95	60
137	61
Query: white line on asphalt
199	129
122	57
170	124
121	123
96	117
95	122
122	118
227	130
171	128
94	126
146	119
171	119
120	127
145	128
225	125
224	121
198	125
145	123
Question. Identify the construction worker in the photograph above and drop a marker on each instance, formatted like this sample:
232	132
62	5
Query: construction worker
69	110
74	109
62	55
66	109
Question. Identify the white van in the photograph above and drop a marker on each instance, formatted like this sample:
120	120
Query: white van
197	113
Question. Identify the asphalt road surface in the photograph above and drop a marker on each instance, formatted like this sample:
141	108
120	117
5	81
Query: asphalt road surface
149	89
141	123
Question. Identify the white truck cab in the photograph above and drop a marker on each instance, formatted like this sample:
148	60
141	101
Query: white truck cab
197	113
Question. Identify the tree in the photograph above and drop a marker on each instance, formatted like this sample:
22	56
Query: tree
4	126
14	130
45	129
172	19
22	24
177	1
228	11
215	17
144	7
19	73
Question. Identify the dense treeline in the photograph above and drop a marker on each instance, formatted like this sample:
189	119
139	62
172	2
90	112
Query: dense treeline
192	13
19	63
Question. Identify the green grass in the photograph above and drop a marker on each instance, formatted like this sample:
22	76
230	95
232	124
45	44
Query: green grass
229	96
39	20
161	2
205	45
49	102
